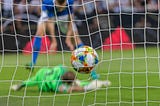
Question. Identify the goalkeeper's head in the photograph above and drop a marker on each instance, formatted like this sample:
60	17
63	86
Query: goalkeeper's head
68	77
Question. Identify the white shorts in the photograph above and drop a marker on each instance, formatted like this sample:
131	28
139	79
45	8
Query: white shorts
61	21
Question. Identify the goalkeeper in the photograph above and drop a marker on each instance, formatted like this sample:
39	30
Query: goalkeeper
53	12
58	79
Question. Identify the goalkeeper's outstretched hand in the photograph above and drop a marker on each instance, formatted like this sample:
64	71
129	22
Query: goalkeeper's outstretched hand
96	84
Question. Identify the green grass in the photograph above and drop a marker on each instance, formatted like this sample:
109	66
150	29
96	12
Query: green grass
135	77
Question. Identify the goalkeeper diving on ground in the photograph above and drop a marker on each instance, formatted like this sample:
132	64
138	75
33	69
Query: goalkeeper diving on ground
60	13
59	79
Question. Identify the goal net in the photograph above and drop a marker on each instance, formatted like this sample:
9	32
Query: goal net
125	34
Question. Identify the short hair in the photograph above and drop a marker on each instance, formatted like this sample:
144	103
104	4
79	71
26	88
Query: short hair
68	77
61	1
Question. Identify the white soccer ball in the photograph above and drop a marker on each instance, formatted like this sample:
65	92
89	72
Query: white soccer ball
84	59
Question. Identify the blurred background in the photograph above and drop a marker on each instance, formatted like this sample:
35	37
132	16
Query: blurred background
95	19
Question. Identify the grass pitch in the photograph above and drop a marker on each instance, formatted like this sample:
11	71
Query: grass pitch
135	77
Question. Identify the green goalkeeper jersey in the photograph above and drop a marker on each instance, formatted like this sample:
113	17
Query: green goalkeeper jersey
47	79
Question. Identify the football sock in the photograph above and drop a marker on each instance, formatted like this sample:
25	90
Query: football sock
36	49
80	45
94	75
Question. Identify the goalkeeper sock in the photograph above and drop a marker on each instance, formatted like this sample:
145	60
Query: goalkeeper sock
36	48
94	75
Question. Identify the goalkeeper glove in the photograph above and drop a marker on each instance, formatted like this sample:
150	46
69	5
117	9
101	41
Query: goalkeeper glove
95	84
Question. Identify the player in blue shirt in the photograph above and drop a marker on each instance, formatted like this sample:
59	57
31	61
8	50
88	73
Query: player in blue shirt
53	12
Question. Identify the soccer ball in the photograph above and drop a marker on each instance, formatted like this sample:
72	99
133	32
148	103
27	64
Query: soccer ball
84	59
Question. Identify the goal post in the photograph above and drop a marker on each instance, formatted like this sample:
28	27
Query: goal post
124	33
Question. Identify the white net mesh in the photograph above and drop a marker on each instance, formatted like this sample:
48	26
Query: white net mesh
125	34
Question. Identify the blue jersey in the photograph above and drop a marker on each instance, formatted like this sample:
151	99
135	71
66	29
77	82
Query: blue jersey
50	8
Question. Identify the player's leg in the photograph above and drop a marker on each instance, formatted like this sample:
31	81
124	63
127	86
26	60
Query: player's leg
37	79
36	45
71	31
37	41
51	28
78	40
33	81
41	27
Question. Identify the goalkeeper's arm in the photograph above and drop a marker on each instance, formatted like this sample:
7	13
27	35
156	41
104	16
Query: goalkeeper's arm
95	84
